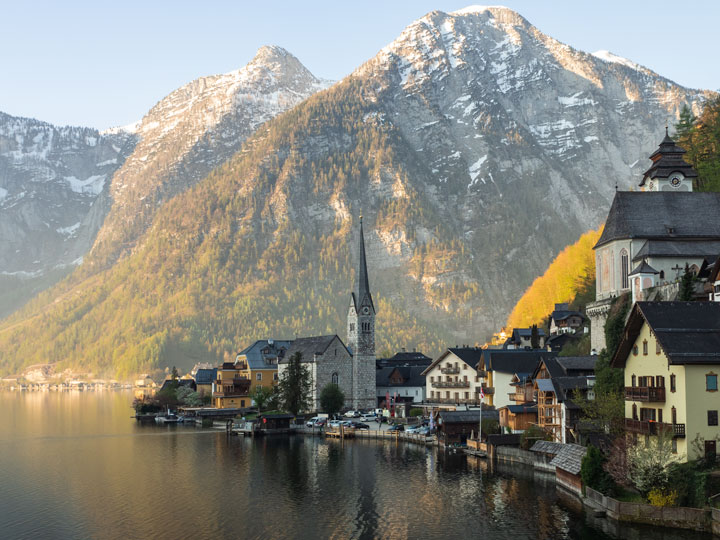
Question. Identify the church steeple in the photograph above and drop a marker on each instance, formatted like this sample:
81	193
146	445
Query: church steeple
669	171
361	294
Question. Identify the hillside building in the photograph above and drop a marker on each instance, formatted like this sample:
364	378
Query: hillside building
651	236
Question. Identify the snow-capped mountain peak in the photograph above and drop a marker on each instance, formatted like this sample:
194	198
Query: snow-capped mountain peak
615	59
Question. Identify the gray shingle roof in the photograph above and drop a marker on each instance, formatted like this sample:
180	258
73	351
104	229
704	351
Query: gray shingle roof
205	376
265	354
688	332
310	346
460	417
643	268
569	458
707	249
573	365
547	447
469	355
651	214
412	376
514	361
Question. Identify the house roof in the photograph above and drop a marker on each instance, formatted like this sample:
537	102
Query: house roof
577	365
662	215
688	332
190	383
707	249
205	376
513	361
526	332
562	314
569	458
470	355
308	347
460	417
519	409
414	358
412	376
265	353
545	385
547	447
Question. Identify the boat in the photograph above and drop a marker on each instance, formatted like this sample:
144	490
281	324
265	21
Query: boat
168	418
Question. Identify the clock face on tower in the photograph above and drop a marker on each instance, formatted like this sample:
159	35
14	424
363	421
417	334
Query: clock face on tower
676	179
366	310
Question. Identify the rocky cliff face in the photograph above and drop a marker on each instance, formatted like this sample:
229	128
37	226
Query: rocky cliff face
189	133
53	198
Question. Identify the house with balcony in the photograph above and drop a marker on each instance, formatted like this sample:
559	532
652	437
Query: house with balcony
404	383
259	362
231	389
521	338
499	368
452	379
564	320
556	380
670	353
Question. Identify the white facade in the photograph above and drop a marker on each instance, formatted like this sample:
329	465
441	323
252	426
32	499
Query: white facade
451	380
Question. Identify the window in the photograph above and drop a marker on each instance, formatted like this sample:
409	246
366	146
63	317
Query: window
672	382
645	348
634	412
660	415
432	393
467	395
335	378
352	326
662	274
464	366
258	377
275	377
634	380
712	418
657	346
647	415
711	382
673	415
635	350
624	259
660	381
432	379
674	446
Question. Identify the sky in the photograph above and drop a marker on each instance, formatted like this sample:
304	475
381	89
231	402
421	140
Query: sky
103	64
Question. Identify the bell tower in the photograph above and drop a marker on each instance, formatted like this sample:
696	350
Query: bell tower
669	171
361	333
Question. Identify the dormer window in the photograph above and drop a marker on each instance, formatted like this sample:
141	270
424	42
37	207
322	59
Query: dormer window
670	229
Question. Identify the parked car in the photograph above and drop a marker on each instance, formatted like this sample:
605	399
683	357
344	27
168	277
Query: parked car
352	414
360	425
311	422
320	422
397	427
414	429
346	423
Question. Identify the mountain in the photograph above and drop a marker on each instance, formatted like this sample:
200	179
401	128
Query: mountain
190	132
475	146
53	198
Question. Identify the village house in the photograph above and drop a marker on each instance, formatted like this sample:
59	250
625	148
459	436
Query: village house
670	353
498	368
521	338
564	320
204	378
518	418
452	379
556	380
567	463
259	362
231	389
406	384
667	226
455	427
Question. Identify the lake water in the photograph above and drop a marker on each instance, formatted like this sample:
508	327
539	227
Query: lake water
75	465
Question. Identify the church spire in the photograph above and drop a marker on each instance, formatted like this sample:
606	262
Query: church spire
362	286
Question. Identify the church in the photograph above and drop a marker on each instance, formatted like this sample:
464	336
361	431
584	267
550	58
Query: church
650	236
351	366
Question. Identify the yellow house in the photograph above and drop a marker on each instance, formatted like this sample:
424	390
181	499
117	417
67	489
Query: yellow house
670	352
259	362
230	390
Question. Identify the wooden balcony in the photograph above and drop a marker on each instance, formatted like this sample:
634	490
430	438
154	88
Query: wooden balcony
450	370
487	390
518	396
453	401
238	387
451	384
646	427
645	393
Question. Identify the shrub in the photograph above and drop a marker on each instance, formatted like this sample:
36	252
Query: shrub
532	434
593	472
662	497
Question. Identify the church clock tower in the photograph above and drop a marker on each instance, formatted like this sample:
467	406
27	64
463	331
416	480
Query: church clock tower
361	334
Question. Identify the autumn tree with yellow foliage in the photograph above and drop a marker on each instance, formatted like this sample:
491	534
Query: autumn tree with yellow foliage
570	276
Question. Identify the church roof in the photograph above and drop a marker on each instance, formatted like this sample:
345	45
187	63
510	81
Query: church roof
707	249
667	159
643	268
308	347
662	215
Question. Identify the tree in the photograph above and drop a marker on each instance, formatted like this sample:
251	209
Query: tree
687	286
332	399
174	375
295	386
649	464
593	472
534	337
261	395
605	413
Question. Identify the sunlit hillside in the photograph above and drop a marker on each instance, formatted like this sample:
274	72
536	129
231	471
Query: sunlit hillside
569	276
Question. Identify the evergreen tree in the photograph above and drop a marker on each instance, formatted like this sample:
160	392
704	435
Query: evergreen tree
687	286
534	337
295	386
332	399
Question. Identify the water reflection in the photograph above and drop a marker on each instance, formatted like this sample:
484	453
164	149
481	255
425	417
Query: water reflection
87	471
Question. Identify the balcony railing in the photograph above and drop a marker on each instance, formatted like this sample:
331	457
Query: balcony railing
453	401
451	384
647	427
450	370
518	396
487	390
645	393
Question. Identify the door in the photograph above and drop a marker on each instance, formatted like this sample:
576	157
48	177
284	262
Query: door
710	449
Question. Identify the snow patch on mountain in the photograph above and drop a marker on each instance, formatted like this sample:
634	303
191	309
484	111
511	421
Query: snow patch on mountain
607	56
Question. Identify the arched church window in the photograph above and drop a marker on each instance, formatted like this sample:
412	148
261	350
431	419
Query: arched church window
624	268
335	378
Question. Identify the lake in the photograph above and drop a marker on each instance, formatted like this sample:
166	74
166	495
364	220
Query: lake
75	465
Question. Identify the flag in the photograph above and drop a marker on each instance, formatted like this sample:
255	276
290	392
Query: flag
387	399
482	394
